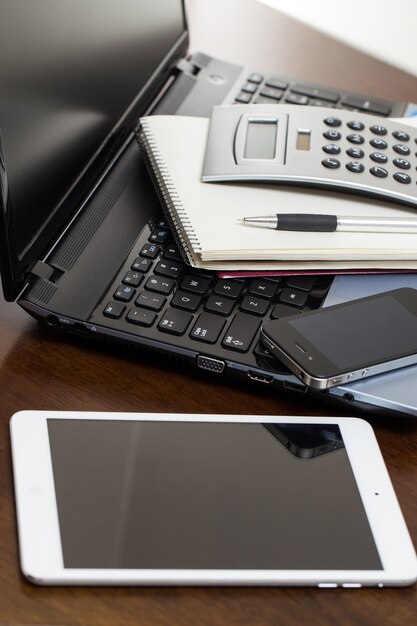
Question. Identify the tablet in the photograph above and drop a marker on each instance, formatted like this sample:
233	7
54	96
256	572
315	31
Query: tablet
166	499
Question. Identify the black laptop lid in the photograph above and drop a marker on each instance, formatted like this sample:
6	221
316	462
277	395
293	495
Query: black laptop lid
74	77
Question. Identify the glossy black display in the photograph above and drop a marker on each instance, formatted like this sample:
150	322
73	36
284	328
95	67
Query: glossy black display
369	331
180	495
69	70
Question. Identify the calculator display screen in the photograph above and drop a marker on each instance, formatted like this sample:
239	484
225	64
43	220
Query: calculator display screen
261	138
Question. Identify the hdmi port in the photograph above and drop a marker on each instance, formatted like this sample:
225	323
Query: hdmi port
260	378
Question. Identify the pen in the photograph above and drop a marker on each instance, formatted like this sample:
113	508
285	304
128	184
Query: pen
329	223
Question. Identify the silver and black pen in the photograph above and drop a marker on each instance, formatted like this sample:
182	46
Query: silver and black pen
317	222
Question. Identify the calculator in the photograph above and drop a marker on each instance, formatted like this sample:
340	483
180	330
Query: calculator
313	146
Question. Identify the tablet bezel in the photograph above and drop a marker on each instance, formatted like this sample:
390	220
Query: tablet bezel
38	528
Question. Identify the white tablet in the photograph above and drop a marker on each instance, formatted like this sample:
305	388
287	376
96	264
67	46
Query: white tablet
163	499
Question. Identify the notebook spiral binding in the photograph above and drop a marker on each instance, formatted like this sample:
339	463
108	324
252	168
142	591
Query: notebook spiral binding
172	206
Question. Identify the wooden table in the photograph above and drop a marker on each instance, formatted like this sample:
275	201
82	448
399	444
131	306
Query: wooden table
43	371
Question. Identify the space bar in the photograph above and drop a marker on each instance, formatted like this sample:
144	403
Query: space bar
241	332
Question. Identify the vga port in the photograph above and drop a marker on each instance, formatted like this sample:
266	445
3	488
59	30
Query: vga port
208	363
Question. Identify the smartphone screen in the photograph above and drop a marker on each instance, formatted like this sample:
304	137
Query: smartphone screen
358	333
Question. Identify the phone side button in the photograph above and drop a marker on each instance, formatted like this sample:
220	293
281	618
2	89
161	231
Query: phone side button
327	585
352	585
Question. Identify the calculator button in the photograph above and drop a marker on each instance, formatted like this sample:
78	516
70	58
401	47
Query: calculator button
379	157
379	143
355	153
332	164
207	328
355	125
141	317
355	167
401	135
403	164
379	172
333	121
400	148
377	129
355	138
333	135
402	178
174	321
114	310
331	148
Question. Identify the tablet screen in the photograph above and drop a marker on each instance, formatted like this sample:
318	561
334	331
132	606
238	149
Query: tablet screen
207	495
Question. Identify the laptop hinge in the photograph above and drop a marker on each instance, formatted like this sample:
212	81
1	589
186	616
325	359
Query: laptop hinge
42	270
187	67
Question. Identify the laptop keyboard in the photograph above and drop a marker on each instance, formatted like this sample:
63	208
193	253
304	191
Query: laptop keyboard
260	89
157	291
158	297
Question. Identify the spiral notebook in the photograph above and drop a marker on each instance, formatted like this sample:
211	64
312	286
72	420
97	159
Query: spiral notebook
205	217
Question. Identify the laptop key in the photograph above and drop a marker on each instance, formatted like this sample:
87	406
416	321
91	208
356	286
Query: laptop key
142	317
141	265
150	300
186	301
172	252
160	285
219	305
207	328
158	236
241	332
263	288
133	278
256	306
284	310
175	321
168	268
228	288
195	283
124	293
150	250
114	310
304	283
294	297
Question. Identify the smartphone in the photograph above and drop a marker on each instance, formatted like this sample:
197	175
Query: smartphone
177	499
349	341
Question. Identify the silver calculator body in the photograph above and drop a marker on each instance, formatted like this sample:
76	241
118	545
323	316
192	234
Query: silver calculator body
313	146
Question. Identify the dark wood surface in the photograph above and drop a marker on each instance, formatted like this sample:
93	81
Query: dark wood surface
43	371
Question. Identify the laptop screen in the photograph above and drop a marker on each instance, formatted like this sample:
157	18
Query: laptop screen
69	70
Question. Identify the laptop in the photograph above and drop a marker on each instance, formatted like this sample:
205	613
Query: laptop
84	246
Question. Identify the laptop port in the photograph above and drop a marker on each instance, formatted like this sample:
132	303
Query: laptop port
260	378
292	386
213	365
